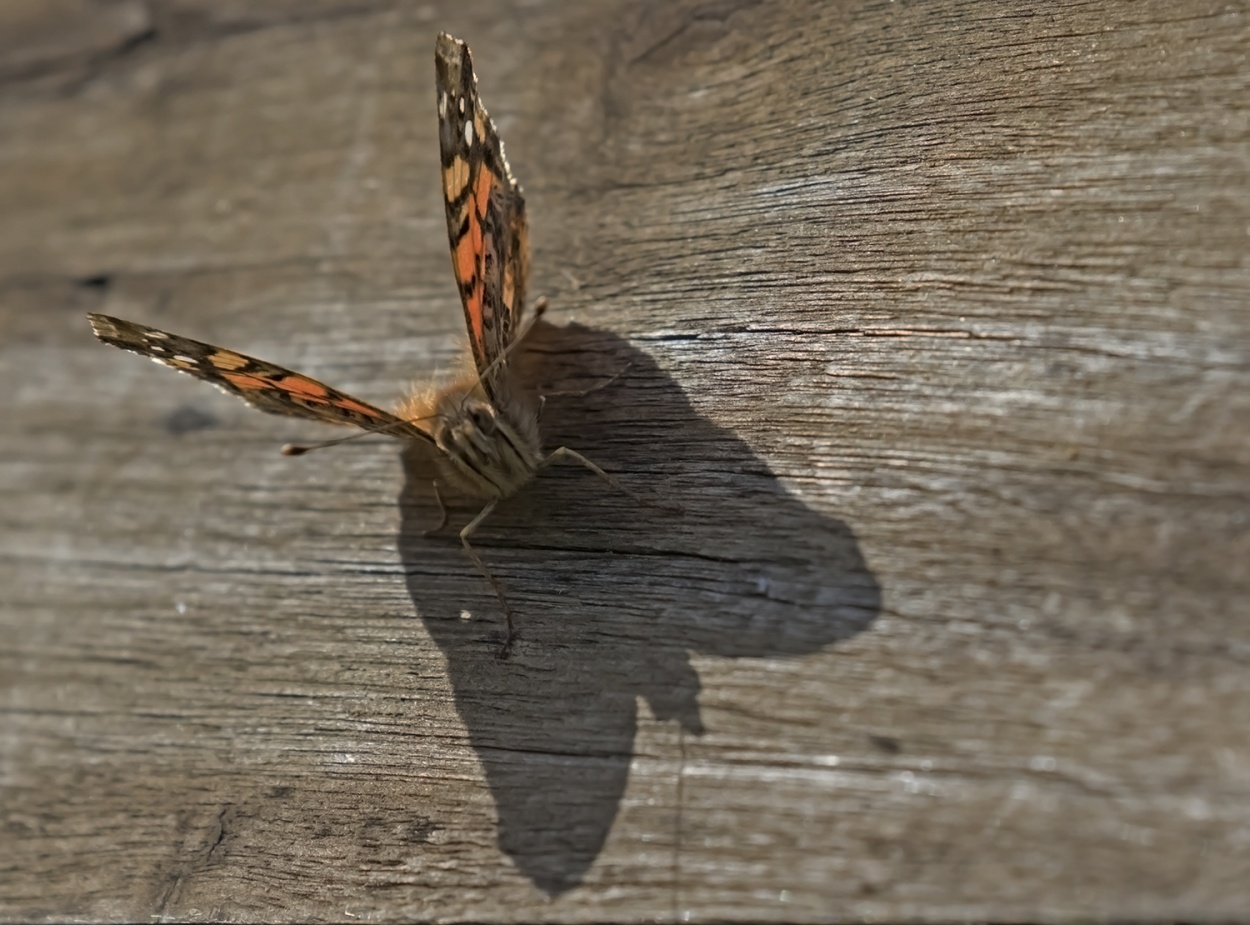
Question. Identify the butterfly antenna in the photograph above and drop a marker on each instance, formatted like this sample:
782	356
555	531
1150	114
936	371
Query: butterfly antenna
294	449
297	449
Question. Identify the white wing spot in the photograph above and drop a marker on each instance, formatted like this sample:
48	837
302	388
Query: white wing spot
460	105
468	133
158	335
442	105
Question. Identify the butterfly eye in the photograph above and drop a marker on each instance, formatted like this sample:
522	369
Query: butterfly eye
482	418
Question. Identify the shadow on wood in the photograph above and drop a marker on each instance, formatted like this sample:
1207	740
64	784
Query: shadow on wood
745	570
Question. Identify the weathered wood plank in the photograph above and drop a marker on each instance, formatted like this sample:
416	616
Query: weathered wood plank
938	325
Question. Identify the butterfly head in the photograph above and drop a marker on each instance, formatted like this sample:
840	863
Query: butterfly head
488	452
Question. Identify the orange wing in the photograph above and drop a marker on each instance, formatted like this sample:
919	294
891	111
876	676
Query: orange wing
485	213
262	385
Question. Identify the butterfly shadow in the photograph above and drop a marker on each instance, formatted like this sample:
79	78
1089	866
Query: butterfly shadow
612	597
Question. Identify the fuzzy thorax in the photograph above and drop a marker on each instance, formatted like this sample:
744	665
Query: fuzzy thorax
487	449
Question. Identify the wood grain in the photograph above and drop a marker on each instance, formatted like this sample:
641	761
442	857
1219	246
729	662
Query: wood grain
935	322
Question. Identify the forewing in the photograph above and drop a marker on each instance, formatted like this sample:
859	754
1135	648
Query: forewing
486	223
262	385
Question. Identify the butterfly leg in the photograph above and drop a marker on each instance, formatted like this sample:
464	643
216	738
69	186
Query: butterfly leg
582	393
442	509
494	582
564	452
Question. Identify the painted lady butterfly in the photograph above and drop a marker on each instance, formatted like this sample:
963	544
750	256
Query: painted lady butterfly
484	425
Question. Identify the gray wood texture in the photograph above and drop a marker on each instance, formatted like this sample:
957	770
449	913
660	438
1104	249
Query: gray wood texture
939	324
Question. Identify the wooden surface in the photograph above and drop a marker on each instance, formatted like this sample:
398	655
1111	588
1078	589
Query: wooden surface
939	330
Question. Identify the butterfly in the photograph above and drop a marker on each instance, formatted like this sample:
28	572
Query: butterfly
484	426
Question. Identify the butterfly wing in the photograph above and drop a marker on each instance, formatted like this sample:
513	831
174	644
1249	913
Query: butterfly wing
262	385
486	222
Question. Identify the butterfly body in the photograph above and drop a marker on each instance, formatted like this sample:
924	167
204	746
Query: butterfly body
484	426
489	448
